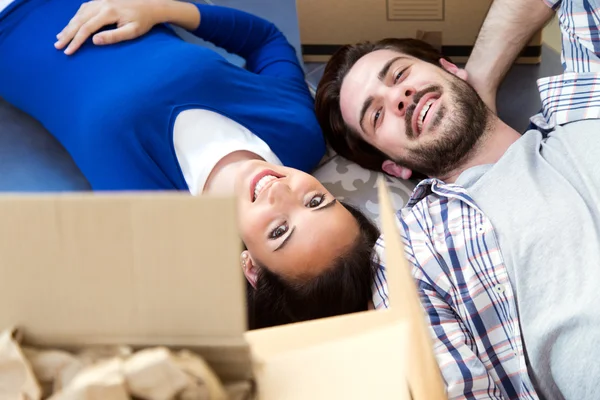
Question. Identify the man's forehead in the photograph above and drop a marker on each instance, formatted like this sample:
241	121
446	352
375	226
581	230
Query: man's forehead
360	79
375	60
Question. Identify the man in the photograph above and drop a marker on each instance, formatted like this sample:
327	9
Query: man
504	236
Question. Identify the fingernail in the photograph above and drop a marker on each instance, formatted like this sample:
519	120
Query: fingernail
99	40
58	36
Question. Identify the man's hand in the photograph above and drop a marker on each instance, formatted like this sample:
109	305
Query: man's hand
133	18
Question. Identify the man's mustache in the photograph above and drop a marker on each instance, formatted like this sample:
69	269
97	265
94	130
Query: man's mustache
411	109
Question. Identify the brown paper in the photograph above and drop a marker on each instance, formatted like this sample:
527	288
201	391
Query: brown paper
93	354
54	369
152	374
205	383
103	380
18	379
239	391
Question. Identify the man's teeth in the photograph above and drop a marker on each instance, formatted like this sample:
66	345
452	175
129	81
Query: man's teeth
423	112
262	183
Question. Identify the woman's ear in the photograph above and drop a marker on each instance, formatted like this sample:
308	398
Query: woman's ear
396	170
453	69
249	268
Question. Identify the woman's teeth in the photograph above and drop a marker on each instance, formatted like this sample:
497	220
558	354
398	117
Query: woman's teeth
261	184
423	113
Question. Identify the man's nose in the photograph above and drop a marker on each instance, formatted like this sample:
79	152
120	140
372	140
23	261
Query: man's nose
400	99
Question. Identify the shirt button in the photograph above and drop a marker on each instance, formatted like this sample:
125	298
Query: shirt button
480	229
499	289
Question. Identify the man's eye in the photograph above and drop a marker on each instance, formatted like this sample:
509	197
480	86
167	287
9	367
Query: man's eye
398	76
316	201
279	231
376	118
401	74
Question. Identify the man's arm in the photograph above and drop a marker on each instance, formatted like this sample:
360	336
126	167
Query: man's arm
464	373
508	27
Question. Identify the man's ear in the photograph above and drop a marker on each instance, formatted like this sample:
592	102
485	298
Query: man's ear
396	170
250	269
453	69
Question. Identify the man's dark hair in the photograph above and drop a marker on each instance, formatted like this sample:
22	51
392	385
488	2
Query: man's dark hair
342	138
343	288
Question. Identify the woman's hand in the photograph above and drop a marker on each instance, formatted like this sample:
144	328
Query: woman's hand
133	18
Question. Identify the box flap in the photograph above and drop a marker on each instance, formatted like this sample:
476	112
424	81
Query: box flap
137	269
358	356
424	377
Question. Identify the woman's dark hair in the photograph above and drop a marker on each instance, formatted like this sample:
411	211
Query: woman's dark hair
343	288
342	138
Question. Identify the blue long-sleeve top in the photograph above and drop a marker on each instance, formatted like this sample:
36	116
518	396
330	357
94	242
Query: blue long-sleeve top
113	107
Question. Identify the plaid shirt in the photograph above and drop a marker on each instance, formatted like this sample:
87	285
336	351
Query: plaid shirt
458	266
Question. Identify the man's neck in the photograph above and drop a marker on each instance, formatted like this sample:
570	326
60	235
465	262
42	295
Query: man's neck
491	147
221	180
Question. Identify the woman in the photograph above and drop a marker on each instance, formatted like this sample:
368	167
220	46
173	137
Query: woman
153	112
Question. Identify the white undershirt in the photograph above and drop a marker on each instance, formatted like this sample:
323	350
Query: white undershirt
202	138
4	4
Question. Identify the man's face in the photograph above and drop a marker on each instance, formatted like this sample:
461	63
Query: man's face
424	117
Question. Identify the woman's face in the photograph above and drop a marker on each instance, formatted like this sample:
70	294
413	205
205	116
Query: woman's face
289	221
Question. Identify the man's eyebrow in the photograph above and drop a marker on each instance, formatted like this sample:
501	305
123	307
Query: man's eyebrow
384	71
381	76
331	203
363	111
285	240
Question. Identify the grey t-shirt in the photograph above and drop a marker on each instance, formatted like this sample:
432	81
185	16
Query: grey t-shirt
543	199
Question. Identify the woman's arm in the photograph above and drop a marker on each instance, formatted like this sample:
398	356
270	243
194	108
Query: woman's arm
258	41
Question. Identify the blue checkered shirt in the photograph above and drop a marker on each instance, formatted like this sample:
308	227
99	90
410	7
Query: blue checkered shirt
457	262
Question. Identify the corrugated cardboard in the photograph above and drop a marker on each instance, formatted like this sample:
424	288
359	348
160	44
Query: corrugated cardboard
162	269
325	25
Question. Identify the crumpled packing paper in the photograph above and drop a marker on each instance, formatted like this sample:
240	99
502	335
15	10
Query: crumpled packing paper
109	373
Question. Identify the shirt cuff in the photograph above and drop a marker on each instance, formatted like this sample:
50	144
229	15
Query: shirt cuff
553	4
570	97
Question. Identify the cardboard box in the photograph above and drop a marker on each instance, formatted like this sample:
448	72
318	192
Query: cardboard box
163	269
325	25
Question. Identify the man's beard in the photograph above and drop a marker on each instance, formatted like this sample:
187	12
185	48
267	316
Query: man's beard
456	140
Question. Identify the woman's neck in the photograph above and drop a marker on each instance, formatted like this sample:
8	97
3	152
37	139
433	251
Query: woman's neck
221	179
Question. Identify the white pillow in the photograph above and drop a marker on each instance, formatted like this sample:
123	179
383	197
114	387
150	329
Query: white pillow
355	185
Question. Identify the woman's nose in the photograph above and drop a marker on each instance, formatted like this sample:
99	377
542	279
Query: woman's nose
279	191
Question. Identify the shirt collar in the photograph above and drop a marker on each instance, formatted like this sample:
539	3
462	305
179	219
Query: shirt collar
439	188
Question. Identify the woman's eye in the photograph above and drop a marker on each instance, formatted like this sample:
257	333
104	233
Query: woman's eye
279	231
376	118
316	201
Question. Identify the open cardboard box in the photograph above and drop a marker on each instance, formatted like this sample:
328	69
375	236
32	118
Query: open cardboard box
162	269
